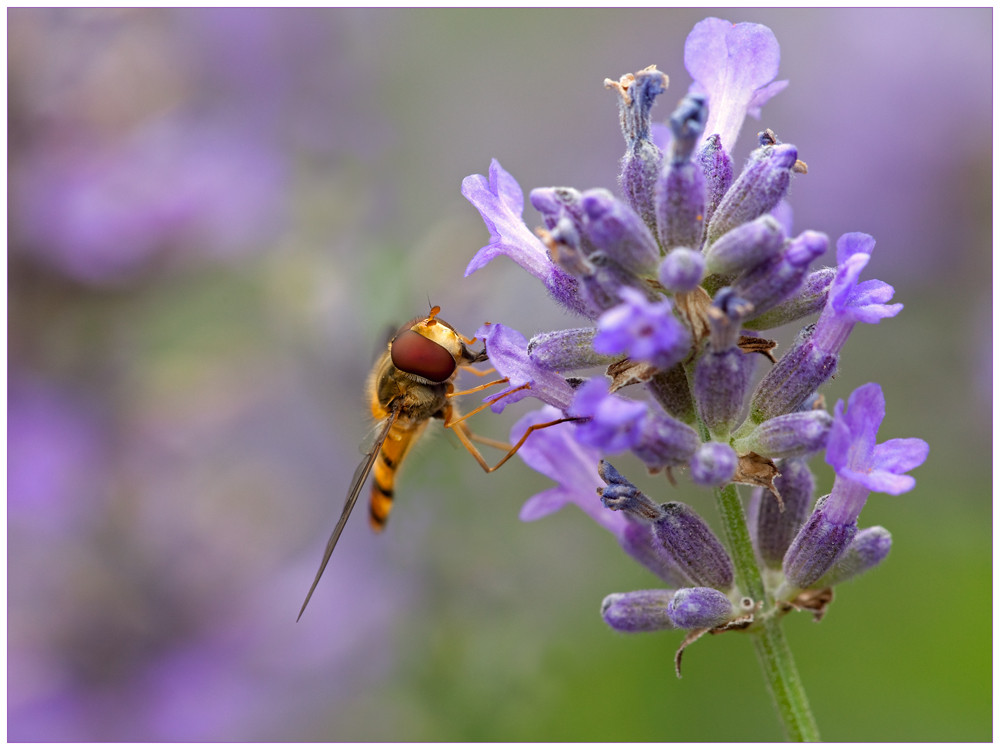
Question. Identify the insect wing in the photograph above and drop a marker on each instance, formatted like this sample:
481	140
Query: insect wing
360	475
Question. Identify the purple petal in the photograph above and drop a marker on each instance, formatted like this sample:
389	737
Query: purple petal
762	96
646	331
551	454
500	201
731	63
784	215
900	455
852	436
854	243
866	410
874	313
544	503
852	452
508	352
866	302
838	442
615	423
555	452
872	292
844	283
660	135
883	481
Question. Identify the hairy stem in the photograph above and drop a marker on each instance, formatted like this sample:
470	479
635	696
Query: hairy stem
775	657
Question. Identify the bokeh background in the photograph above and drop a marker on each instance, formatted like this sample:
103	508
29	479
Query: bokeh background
214	215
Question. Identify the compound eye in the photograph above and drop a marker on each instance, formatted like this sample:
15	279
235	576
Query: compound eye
418	355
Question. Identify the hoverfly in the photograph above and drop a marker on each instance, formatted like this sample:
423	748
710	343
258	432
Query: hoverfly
411	383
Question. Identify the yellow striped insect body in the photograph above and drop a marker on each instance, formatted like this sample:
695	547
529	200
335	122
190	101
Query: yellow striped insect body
413	382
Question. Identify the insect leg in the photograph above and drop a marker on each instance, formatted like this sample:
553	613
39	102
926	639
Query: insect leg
466	437
483	440
482	387
449	422
479	373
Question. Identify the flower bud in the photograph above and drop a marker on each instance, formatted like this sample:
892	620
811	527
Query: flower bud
713	464
795	377
600	286
564	247
808	300
788	436
642	159
776	525
763	182
641	545
815	549
772	282
556	203
717	165
687	123
682	270
670	389
638	611
725	319
619	231
664	441
700	607
746	246
622	495
569	349
721	381
870	547
694	548
679	197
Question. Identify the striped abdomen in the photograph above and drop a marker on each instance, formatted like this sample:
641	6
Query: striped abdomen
397	444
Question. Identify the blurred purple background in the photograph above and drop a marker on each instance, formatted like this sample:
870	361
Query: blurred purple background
213	215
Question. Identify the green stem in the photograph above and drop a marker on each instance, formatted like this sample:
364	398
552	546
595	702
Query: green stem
775	657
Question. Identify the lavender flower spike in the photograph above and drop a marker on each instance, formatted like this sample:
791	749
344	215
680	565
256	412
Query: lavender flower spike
676	278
